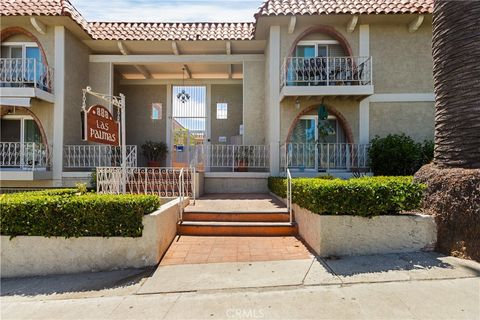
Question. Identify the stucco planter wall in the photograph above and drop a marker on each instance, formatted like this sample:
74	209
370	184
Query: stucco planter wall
353	235
32	255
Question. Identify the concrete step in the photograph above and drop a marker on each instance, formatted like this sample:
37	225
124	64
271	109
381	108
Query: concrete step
212	228
277	216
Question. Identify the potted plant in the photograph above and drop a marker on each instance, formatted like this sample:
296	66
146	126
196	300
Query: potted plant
242	157
154	152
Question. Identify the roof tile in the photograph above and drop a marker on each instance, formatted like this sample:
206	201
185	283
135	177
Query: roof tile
317	7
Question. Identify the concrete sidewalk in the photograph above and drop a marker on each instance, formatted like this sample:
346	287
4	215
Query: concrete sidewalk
397	286
440	299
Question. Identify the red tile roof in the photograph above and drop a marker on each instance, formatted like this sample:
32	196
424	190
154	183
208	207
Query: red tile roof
317	7
129	31
42	8
209	31
171	31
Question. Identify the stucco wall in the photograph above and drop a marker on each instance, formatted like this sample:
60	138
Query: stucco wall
254	103
416	119
139	125
402	61
350	235
47	41
232	94
76	78
348	108
28	256
100	78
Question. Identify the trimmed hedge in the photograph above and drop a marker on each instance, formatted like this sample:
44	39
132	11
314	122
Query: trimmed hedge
64	213
366	196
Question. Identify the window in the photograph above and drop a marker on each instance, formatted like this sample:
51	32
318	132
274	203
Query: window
156	111
20	50
222	111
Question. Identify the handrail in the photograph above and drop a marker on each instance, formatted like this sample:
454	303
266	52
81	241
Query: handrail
181	190
289	195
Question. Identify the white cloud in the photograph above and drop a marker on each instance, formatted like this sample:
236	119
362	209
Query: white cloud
168	11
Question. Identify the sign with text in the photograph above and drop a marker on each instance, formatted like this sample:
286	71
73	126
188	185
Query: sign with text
100	126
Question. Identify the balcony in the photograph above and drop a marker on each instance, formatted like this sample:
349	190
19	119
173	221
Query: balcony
24	161
326	76
24	78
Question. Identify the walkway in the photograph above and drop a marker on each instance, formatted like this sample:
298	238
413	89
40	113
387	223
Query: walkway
369	287
237	202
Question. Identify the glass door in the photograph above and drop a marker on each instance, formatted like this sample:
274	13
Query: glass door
302	148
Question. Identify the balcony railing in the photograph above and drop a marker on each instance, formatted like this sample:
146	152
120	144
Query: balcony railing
324	156
232	157
91	156
26	72
326	71
25	156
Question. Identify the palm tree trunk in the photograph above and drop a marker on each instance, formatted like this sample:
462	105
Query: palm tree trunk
456	73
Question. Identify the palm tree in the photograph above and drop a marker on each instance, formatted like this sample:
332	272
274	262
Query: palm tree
456	74
452	195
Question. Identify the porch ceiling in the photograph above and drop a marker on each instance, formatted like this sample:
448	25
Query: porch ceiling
174	71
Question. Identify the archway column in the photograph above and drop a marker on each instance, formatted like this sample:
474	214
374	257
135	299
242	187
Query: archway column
59	105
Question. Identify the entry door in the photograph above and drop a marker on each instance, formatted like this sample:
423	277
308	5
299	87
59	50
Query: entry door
303	147
189	121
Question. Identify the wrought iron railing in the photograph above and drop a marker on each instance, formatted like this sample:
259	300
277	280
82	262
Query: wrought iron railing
91	156
326	71
161	181
24	155
324	156
26	72
232	157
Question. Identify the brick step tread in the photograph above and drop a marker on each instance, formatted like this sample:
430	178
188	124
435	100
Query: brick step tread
191	209
237	217
238	229
237	224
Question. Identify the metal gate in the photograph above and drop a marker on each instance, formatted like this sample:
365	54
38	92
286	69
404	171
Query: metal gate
189	122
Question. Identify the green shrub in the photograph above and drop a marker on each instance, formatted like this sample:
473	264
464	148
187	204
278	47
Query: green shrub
64	213
394	155
427	151
366	196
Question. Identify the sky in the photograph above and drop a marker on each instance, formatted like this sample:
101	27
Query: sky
168	10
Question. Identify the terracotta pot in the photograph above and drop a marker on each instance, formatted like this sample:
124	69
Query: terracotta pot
152	164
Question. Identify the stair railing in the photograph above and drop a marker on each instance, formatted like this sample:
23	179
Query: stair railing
289	195
181	191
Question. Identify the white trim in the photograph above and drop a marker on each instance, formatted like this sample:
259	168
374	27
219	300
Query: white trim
288	91
59	107
200	58
13	44
364	121
178	81
26	93
403	97
364	40
15	101
316	42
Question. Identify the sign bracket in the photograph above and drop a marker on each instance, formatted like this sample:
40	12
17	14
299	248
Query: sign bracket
119	102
